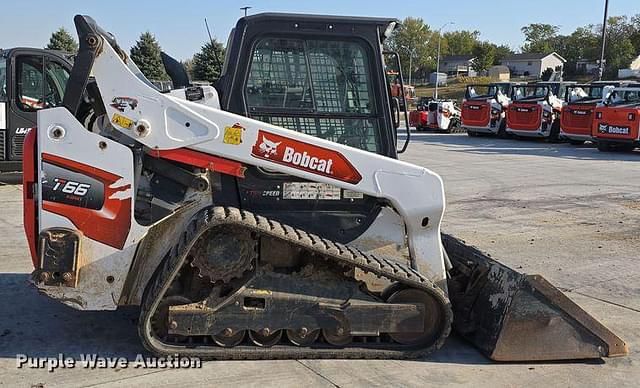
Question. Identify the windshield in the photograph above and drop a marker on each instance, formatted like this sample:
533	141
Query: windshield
584	93
3	79
321	88
625	97
481	91
529	93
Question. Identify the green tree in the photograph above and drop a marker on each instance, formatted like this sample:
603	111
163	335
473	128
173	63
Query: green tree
460	42
416	39
207	64
540	38
62	40
583	43
485	53
502	52
619	50
146	55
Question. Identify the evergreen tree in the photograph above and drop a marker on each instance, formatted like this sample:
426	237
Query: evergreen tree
62	40
146	55
207	64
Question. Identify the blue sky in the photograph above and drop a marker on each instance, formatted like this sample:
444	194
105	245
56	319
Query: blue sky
179	25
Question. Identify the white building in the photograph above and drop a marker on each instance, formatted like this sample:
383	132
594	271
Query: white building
533	64
458	65
632	71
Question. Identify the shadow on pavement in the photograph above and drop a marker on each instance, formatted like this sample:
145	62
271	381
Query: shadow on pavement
37	326
533	147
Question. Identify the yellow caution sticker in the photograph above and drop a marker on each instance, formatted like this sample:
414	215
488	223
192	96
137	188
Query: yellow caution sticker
122	121
233	134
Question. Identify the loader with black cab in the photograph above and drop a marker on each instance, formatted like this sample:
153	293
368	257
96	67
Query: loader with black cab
30	79
279	224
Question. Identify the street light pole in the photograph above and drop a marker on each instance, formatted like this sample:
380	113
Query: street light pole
410	67
245	9
604	35
438	58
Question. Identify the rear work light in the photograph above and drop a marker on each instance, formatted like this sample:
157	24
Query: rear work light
631	116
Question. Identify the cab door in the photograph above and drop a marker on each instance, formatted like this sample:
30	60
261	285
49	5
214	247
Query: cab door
37	80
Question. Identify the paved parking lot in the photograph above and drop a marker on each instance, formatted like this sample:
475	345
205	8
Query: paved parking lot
569	213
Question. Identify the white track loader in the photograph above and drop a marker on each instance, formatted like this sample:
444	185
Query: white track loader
279	224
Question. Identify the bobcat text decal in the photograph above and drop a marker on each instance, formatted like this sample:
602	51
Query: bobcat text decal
304	156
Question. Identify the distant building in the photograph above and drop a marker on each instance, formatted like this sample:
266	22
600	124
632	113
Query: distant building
441	78
633	71
587	66
533	64
499	73
458	65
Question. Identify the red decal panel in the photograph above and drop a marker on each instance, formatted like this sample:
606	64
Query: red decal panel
304	156
109	225
202	160
28	201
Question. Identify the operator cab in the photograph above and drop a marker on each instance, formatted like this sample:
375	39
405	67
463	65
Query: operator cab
30	80
324	76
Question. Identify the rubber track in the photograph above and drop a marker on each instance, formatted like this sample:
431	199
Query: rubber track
346	255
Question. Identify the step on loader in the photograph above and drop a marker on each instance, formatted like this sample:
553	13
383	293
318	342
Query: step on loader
279	224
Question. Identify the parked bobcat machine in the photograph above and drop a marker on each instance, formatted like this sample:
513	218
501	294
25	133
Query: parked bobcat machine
30	79
440	115
279	224
535	110
616	126
577	115
484	107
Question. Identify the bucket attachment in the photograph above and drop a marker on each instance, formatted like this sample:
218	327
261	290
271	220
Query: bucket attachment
510	316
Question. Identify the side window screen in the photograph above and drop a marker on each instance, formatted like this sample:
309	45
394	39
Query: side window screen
278	77
313	75
30	83
318	87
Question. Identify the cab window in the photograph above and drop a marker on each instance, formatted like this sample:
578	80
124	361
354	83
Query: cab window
3	79
30	92
321	88
35	89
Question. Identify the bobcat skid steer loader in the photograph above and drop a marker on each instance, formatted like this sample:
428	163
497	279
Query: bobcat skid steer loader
240	239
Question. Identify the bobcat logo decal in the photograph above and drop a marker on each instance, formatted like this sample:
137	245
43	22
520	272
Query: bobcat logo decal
304	156
268	148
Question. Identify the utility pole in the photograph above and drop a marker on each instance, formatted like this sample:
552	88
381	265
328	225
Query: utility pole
438	59
604	37
245	9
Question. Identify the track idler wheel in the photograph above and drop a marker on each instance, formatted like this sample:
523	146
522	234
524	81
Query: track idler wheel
433	317
302	336
227	338
265	338
337	337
